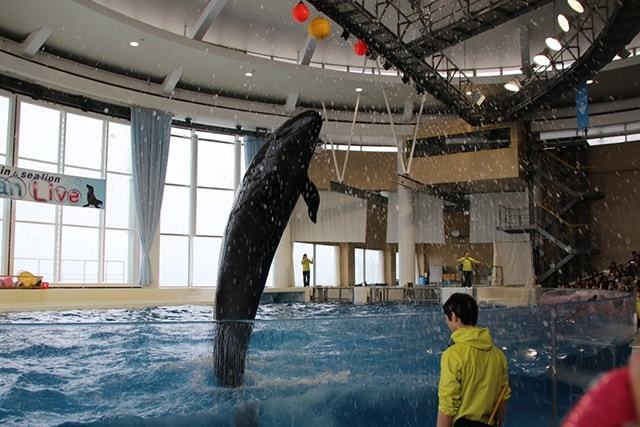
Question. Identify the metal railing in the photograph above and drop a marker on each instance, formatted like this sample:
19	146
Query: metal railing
86	271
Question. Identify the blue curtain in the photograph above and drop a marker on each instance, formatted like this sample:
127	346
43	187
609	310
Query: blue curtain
252	144
150	135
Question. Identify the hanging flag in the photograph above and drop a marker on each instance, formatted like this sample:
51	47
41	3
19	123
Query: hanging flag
582	107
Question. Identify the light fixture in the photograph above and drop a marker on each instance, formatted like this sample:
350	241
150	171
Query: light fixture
513	85
468	92
553	43
542	59
135	43
358	89
249	73
564	22
576	5
478	97
589	81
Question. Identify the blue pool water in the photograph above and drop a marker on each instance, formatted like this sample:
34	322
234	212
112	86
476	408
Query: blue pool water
308	365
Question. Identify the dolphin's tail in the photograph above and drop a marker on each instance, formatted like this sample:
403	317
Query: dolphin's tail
230	350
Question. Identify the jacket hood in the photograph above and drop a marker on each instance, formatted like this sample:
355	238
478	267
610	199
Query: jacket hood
479	338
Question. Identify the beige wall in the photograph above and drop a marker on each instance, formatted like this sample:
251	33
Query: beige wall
365	170
473	166
615	170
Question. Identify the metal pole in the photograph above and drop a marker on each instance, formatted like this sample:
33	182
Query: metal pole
554	368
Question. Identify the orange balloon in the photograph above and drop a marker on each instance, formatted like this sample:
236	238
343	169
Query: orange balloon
319	28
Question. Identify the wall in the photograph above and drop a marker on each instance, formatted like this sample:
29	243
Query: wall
472	166
365	170
615	170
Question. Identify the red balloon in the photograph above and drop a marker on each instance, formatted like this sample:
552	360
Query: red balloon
300	12
360	48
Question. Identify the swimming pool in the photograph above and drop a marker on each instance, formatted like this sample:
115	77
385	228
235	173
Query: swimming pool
308	364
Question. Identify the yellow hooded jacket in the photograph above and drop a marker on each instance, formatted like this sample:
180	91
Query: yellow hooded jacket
472	373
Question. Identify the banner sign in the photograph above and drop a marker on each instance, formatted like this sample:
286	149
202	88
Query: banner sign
45	187
582	107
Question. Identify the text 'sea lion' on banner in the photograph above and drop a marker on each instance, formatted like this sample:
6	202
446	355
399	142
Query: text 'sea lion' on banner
45	187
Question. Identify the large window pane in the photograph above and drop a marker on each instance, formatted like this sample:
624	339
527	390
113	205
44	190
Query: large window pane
83	141
4	124
78	215
212	212
34	211
39	132
374	273
174	216
79	257
359	260
119	205
174	260
119	151
118	246
34	249
206	253
179	166
326	265
300	249
215	164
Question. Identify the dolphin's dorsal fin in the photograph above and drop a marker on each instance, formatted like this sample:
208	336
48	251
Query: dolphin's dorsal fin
311	198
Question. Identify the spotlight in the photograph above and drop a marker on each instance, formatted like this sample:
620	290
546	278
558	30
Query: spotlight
345	34
564	22
553	43
542	59
513	85
478	98
358	89
576	5
590	81
405	79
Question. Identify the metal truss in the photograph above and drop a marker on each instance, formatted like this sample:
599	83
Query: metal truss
411	34
599	35
438	75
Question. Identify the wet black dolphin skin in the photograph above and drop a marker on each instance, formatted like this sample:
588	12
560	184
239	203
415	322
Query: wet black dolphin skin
275	179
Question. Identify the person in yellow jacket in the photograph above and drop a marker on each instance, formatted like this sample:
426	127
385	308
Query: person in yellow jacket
474	377
467	268
306	270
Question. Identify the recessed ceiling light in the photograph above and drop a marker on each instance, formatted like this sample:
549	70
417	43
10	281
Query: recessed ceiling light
468	92
553	43
576	5
358	89
249	73
589	81
134	43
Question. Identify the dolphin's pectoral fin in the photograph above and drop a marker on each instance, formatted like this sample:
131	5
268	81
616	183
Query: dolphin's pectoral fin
311	198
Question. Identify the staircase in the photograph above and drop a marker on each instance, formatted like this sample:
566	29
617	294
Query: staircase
558	216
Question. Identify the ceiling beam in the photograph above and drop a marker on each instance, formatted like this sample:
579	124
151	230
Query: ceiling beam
207	17
307	52
171	80
34	41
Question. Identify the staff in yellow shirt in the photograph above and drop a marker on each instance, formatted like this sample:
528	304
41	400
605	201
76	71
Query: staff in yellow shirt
467	268
306	270
474	377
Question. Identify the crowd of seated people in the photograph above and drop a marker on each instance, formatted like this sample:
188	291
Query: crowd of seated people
618	277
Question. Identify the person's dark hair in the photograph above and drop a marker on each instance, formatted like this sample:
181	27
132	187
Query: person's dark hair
464	306
304	254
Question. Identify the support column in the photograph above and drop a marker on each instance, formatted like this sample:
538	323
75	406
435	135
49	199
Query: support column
406	236
347	265
389	265
283	262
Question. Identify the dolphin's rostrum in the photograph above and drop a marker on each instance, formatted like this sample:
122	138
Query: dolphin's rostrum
274	180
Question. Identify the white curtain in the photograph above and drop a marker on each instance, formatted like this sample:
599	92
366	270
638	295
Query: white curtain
515	259
429	220
341	218
483	211
150	135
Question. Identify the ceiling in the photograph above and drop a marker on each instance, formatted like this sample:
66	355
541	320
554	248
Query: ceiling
98	33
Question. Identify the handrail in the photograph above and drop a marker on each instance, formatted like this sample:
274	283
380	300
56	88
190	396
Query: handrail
556	216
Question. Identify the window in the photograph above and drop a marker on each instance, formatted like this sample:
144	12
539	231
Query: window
369	266
69	244
196	204
324	271
5	134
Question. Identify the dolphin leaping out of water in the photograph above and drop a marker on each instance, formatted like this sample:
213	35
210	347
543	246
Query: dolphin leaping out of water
274	180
